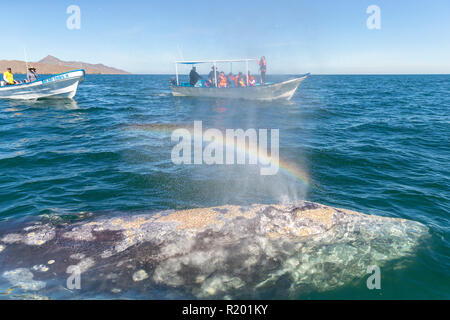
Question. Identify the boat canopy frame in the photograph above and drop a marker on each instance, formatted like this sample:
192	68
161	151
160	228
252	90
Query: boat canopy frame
214	63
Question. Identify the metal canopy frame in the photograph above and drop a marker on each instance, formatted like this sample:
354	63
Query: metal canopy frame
214	63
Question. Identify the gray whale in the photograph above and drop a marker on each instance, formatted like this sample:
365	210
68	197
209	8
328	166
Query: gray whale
221	252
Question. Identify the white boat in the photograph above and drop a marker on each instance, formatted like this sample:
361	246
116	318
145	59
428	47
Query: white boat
268	92
63	85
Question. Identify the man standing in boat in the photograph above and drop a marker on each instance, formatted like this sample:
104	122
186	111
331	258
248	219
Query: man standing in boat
263	67
213	75
194	77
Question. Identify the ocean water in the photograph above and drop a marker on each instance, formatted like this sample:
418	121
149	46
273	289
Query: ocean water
374	144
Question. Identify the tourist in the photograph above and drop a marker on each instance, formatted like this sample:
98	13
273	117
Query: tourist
231	80
236	79
194	77
251	80
263	68
241	80
8	77
31	74
222	80
213	75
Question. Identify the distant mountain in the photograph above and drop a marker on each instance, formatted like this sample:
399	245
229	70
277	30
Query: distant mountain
52	60
52	65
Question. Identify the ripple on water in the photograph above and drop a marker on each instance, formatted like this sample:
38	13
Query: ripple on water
377	144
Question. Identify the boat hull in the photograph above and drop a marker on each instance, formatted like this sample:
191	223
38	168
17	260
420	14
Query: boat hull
277	91
64	85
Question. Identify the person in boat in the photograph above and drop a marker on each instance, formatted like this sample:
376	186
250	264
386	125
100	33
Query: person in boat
173	82
236	79
231	80
222	80
194	77
241	80
31	74
213	74
8	77
251	80
263	68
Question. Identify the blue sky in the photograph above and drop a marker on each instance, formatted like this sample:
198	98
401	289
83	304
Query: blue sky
298	36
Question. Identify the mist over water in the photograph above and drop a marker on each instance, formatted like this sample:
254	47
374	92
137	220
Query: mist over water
375	144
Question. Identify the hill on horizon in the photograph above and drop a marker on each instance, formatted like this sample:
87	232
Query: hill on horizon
53	65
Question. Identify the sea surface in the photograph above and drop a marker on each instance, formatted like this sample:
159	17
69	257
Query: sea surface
374	144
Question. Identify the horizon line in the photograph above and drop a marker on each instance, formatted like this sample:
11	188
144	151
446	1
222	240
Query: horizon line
273	74
295	74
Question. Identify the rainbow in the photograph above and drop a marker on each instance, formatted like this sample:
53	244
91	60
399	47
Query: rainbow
288	168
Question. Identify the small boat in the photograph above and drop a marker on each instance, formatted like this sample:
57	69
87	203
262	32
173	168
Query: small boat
268	92
63	85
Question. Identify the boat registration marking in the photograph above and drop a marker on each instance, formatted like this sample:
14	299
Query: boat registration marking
60	77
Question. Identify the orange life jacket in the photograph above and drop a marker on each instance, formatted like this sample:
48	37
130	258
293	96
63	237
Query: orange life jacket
222	81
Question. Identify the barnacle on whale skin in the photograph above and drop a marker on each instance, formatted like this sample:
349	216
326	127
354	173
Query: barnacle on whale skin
218	252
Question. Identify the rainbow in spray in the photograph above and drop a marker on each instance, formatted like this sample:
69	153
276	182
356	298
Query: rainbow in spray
228	144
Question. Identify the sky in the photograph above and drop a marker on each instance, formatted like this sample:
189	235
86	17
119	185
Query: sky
298	36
